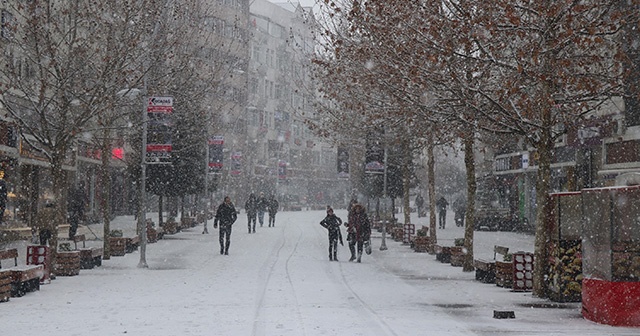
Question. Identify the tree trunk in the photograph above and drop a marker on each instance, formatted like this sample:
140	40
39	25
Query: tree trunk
59	184
543	181
469	162
106	191
431	189
160	209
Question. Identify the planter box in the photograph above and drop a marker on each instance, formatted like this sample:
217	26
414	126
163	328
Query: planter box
457	256
443	253
504	274
117	245
422	243
68	263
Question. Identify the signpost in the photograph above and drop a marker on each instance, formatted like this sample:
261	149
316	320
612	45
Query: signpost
159	129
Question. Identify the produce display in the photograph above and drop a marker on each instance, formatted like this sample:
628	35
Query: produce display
564	276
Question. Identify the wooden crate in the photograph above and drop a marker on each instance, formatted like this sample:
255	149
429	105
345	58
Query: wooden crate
504	274
68	263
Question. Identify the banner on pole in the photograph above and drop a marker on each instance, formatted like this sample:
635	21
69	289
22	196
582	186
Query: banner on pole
374	156
343	162
159	130
215	145
236	163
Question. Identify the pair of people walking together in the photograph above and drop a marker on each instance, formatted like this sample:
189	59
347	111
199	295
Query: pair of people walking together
256	207
358	232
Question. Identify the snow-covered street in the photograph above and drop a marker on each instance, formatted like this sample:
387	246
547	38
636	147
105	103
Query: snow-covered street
279	281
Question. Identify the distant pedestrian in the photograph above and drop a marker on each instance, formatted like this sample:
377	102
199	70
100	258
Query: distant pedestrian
352	202
261	207
332	223
359	231
272	207
45	222
459	211
226	215
250	206
420	205
76	209
442	204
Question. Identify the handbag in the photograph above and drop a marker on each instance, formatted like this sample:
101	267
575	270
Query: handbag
367	246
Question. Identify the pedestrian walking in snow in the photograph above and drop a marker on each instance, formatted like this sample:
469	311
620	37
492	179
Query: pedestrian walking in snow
459	211
420	206
261	207
76	209
359	231
442	204
272	207
225	216
250	206
332	223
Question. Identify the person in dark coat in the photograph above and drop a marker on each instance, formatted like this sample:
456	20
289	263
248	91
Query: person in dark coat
459	211
226	215
76	210
359	231
261	207
272	207
44	221
250	206
420	205
352	202
442	204
332	223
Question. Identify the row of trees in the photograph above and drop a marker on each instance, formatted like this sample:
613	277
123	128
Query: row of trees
447	71
70	69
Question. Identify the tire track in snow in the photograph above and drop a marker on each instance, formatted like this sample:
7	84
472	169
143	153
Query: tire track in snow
268	269
365	309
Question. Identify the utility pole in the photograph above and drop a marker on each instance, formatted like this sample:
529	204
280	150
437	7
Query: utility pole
206	184
383	245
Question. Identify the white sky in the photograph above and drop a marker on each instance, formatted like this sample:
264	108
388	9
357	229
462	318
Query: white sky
279	281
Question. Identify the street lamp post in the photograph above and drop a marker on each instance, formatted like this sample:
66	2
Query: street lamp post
142	213
383	244
206	186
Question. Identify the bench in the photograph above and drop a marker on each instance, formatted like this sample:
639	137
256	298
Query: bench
90	257
443	253
486	269
22	279
120	246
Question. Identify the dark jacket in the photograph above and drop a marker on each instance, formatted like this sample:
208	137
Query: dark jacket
442	204
273	206
332	223
226	215
251	205
261	204
359	226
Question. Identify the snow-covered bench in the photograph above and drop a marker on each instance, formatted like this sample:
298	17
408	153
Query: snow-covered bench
23	279
486	269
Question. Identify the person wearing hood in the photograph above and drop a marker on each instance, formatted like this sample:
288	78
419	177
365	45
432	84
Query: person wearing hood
250	206
332	223
359	231
226	215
